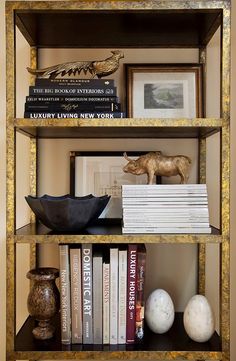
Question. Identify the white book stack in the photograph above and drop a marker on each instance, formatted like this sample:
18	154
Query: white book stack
165	208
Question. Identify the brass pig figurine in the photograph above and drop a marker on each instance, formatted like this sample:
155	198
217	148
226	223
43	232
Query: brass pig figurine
154	163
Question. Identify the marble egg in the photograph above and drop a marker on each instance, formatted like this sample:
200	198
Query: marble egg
199	319
159	311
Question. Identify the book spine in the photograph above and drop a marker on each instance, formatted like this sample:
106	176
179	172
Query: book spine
65	295
157	202
71	82
122	296
87	297
114	296
131	293
82	115
106	303
163	186
67	107
166	224
76	298
97	299
72	91
180	230
141	268
57	99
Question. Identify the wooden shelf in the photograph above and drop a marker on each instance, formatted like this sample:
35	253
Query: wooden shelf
108	233
182	27
119	128
174	343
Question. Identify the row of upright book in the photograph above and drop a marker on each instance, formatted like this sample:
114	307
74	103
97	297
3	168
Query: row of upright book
102	293
73	98
165	208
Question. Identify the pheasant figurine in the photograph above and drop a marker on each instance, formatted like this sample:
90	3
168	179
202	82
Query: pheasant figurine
95	68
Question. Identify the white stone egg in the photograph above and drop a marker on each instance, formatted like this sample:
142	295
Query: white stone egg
159	311
199	319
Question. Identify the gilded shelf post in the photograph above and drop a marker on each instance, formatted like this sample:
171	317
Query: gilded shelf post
203	125
11	156
33	161
202	179
225	179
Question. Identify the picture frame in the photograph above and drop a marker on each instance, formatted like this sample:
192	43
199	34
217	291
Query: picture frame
100	173
164	90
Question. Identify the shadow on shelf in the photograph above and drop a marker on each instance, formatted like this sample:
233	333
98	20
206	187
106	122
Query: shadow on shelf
175	339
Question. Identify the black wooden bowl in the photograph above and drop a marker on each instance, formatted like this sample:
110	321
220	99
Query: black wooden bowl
67	213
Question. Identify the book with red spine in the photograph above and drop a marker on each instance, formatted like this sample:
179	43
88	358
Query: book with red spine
131	293
141	267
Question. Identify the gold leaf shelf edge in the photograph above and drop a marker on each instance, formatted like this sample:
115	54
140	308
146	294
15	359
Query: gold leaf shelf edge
123	122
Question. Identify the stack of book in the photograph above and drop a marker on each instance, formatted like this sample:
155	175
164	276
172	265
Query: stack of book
102	293
172	208
73	98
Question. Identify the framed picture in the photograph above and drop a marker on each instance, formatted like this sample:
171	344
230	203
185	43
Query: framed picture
164	91
102	173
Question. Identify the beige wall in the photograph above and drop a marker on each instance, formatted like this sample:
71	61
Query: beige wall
49	183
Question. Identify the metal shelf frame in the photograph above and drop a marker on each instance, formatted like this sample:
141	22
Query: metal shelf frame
15	16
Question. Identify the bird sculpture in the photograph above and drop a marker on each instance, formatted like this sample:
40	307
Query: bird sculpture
99	68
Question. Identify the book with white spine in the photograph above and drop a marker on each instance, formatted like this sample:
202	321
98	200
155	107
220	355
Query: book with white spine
87	293
76	296
114	296
165	208
106	303
65	294
179	230
97	298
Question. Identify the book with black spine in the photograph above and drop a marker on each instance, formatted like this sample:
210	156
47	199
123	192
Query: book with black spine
43	82
65	300
70	99
87	293
73	90
74	115
76	296
74	107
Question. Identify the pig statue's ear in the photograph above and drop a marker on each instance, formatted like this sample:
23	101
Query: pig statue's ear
126	157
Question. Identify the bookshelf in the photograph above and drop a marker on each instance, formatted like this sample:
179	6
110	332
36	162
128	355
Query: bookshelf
188	24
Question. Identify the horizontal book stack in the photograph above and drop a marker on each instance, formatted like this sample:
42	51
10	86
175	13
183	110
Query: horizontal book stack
102	293
73	98
165	208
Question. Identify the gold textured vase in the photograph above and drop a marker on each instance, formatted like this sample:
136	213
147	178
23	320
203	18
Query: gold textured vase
43	300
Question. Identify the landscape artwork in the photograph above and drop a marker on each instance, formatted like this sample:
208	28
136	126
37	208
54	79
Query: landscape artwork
163	96
164	91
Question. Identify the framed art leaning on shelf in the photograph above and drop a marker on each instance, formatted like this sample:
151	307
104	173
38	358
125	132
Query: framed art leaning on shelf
102	173
164	91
